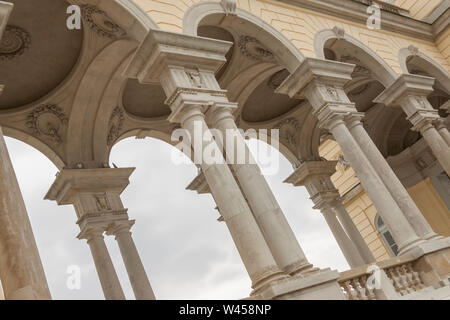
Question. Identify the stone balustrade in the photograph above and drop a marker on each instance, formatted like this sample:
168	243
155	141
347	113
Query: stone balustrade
357	285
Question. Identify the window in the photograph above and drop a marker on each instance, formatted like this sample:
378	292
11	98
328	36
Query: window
386	235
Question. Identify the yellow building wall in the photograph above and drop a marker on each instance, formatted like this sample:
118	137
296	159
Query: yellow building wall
300	26
418	9
432	206
363	212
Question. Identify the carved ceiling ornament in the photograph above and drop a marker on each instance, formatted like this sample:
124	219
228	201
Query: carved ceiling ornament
253	49
289	131
115	125
47	120
14	43
101	23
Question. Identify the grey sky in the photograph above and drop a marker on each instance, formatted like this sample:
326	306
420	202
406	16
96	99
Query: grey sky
187	253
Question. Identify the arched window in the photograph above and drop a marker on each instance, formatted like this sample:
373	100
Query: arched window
386	235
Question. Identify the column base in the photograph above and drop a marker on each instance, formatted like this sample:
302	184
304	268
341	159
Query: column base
319	285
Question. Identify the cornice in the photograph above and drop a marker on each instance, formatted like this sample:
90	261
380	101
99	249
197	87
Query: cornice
356	11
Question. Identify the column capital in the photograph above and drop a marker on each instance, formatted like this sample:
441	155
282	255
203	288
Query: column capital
71	182
185	66
406	85
327	73
90	233
95	194
118	227
315	176
199	184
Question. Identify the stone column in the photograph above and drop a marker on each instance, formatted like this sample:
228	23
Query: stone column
349	250
384	170
441	127
276	230
21	269
105	268
95	194
315	176
353	232
322	83
185	66
135	269
410	93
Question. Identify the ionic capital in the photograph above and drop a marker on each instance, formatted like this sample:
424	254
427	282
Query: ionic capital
220	112
316	177
120	227
92	232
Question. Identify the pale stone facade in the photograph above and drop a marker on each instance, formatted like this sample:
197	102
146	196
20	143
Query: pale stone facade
313	69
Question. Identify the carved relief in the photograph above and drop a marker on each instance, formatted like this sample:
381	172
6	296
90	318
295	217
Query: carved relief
289	130
102	203
253	49
101	23
196	79
333	93
47	120
115	125
14	43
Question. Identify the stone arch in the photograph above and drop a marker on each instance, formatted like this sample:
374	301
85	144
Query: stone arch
130	16
286	52
384	73
91	98
35	143
413	53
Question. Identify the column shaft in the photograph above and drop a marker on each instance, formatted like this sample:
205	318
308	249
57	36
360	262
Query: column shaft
390	179
445	134
400	228
353	233
437	144
349	250
105	268
21	269
243	228
135	269
276	230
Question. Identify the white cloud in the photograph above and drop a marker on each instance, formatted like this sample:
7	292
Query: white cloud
186	252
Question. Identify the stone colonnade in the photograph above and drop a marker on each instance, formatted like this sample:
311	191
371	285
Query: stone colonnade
95	194
274	260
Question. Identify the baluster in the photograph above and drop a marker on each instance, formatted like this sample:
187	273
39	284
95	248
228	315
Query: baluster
361	292
409	278
395	280
416	277
351	291
404	280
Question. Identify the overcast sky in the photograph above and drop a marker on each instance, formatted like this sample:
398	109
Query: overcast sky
187	253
